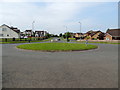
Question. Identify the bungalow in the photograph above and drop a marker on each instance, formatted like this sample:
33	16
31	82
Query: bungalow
112	34
40	33
9	32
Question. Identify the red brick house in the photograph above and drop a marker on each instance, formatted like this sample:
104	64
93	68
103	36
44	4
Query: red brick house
112	34
78	35
93	35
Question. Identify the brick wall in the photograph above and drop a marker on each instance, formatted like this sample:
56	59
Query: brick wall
108	37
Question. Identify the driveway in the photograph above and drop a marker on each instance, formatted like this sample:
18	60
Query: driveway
78	69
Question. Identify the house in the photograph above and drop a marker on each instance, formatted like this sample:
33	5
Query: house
101	36
112	34
29	33
9	32
22	35
93	35
72	34
79	35
15	29
40	33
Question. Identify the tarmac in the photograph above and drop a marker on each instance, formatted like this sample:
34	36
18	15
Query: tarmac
96	68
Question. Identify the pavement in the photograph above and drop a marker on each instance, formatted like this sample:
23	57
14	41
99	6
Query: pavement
76	69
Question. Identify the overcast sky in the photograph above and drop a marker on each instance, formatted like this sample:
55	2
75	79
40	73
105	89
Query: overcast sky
55	16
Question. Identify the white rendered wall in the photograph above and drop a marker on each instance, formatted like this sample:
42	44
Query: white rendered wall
9	32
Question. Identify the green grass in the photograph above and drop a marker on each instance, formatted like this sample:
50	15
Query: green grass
18	41
56	46
105	42
99	42
72	38
65	39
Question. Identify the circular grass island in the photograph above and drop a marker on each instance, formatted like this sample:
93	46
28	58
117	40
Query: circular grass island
57	46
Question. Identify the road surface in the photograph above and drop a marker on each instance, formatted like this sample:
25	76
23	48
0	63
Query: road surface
78	69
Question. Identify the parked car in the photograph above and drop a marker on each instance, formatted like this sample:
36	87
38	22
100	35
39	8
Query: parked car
52	40
55	40
58	39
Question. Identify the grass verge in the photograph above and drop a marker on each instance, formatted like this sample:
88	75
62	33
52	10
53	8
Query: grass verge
10	42
72	38
98	42
57	46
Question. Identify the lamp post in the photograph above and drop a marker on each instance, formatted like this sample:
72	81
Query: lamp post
66	28
80	28
33	25
67	33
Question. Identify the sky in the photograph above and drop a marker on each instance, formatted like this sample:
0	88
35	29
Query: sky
54	17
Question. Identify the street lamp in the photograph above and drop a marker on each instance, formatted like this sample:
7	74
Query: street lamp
66	28
67	33
33	28
33	25
80	28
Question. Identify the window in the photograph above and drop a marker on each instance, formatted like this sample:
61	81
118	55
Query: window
1	35
4	29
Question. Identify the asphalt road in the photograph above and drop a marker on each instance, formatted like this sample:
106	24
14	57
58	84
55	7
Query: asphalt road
78	69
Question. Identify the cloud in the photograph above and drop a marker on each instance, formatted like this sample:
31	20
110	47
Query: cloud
59	0
50	16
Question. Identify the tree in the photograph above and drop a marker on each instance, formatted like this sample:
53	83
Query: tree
60	35
48	35
88	37
52	35
55	35
67	35
108	29
64	36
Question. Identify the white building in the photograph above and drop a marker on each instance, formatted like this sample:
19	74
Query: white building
9	32
40	33
28	33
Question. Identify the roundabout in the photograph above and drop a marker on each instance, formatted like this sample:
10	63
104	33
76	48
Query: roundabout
32	69
57	46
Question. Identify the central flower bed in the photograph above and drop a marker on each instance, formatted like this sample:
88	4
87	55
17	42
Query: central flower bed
57	46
